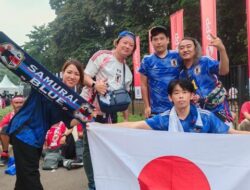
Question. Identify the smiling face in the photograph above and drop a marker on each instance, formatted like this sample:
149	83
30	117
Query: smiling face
125	47
71	76
187	50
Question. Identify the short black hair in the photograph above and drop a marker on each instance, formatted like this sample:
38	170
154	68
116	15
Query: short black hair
157	30
184	84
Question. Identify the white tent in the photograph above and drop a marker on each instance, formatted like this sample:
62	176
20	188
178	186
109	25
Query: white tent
7	86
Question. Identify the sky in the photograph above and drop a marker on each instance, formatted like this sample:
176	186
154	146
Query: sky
19	16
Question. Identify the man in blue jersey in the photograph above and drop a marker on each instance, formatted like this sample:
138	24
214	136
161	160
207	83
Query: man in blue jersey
203	71
183	116
156	71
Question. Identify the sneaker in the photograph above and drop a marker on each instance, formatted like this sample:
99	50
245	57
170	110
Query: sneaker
72	164
4	158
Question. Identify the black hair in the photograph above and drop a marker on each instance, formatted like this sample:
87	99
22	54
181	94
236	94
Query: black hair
78	65
184	84
158	30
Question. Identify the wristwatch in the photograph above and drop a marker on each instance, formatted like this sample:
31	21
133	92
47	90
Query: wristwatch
93	84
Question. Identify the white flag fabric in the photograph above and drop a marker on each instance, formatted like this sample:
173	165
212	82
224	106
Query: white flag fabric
135	159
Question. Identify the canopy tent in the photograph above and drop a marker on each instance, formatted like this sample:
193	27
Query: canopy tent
6	86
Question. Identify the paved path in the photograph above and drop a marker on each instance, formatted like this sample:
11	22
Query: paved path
60	179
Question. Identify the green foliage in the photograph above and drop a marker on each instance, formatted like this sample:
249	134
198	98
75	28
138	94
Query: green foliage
232	29
84	26
131	117
40	45
4	111
4	71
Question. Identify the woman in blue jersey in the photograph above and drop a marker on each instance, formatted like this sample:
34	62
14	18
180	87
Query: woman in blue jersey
203	71
29	126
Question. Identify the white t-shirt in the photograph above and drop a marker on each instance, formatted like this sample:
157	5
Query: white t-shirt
233	92
104	66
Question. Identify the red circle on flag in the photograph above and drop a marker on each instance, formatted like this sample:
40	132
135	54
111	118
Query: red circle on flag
172	173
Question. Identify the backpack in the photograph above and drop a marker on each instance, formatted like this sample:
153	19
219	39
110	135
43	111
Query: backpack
52	159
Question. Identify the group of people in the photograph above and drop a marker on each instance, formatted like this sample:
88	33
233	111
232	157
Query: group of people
180	90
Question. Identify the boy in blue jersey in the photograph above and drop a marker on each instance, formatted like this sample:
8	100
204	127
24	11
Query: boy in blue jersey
156	71
183	117
203	71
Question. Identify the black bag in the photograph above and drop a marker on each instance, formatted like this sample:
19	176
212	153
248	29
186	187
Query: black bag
115	101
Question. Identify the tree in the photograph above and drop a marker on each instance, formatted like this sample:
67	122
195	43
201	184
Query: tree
40	45
84	26
232	29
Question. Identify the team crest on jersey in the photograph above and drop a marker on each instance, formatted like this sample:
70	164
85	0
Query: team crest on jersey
10	56
174	62
197	70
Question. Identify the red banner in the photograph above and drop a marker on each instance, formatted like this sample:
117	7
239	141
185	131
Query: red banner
208	25
176	20
136	65
150	46
248	35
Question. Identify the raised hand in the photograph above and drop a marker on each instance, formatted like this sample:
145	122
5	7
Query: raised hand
216	42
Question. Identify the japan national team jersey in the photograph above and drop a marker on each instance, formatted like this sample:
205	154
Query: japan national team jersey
210	123
204	78
35	118
104	66
203	75
159	72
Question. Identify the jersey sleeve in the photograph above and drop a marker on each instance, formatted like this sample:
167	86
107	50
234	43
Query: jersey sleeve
216	125
158	122
93	65
143	68
212	65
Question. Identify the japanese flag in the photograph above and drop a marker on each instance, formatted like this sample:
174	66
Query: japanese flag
131	159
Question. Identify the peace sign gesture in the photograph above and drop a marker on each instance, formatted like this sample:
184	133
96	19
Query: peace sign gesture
216	42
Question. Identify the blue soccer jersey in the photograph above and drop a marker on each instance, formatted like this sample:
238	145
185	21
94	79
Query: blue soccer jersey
36	116
159	72
210	123
204	77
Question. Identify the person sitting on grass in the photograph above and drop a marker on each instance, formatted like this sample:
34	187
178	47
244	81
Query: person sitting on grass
183	117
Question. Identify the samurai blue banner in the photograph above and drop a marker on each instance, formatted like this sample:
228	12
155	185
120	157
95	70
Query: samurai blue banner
29	70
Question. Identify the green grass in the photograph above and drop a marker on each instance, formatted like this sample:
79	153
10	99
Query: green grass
4	111
131	117
135	117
